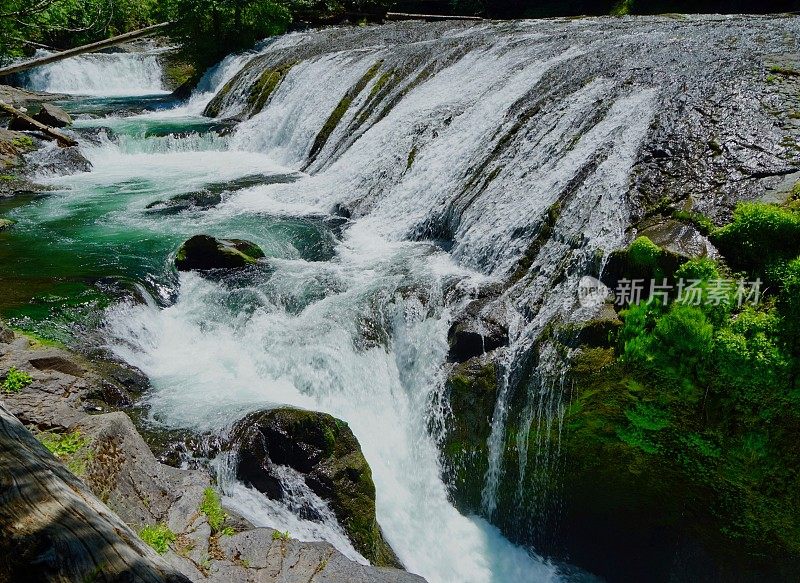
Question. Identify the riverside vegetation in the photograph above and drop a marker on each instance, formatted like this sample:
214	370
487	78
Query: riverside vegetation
689	415
680	442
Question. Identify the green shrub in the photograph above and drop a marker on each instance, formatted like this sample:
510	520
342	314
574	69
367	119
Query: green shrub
212	508
16	380
751	364
158	536
701	268
644	253
760	237
622	8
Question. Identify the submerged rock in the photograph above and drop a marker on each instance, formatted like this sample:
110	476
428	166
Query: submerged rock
325	451
6	224
203	252
53	116
201	199
52	160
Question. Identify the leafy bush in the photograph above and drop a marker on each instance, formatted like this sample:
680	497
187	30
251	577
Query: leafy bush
16	380
158	536
760	237
701	268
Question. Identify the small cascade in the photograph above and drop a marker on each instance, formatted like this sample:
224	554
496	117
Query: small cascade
100	75
300	512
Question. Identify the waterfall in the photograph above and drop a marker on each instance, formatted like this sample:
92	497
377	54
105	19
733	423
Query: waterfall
99	75
500	158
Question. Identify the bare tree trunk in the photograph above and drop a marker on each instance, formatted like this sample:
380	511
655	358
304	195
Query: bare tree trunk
62	139
53	528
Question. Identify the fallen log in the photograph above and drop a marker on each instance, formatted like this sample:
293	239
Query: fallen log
429	17
62	139
53	528
96	46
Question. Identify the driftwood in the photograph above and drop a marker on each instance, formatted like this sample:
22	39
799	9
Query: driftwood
63	140
53	528
407	16
96	46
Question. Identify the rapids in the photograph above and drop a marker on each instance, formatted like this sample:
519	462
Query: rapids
472	157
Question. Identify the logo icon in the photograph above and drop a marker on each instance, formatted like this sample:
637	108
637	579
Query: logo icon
592	292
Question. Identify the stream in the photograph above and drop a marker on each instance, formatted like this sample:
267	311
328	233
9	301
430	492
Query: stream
394	176
342	320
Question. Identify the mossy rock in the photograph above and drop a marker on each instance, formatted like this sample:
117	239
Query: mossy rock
203	252
642	259
6	224
472	391
265	86
326	452
600	330
341	108
636	501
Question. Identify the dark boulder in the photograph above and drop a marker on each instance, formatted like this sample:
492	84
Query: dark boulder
202	199
203	252
324	450
53	116
17	124
479	329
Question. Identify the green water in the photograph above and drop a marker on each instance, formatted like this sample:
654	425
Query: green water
91	240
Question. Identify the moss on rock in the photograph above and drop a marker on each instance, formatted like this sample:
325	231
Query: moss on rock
265	86
472	390
202	252
326	452
338	113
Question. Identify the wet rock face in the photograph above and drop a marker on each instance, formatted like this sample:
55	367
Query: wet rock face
326	452
202	253
678	238
472	388
479	329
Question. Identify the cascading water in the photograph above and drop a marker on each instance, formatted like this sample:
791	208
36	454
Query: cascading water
465	157
100	75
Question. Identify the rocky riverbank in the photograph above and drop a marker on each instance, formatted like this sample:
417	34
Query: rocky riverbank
72	406
24	152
